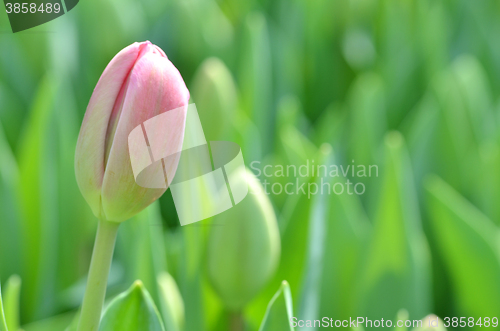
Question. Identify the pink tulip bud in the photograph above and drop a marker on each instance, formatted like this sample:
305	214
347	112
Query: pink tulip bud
138	84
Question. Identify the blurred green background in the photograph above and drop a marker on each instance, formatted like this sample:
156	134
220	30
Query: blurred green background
409	86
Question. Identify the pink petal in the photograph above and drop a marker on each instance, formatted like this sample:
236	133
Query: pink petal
155	86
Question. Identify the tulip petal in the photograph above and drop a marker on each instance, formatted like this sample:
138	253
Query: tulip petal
155	86
90	150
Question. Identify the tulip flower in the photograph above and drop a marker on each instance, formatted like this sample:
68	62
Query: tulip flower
138	84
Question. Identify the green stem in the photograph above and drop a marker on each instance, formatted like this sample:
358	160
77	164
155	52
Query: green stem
98	276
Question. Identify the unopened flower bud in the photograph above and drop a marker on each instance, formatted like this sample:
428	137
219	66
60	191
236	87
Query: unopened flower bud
138	84
244	246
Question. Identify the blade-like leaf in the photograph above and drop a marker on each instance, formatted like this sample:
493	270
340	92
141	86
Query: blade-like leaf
37	173
12	292
456	142
254	76
190	282
313	270
468	244
132	310
74	323
397	263
172	305
66	322
347	231
367	118
10	241
48	198
3	325
279	312
134	241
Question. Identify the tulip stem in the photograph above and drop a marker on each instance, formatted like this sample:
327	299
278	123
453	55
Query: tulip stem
95	292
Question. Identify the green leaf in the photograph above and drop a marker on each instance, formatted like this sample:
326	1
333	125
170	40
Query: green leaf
135	243
74	323
420	129
467	242
290	113
311	290
294	224
255	76
3	324
55	323
397	261
172	305
39	211
12	292
489	182
367	118
10	241
12	112
296	150
279	311
132	310
456	142
331	126
472	82
193	241
48	198
293	149
348	229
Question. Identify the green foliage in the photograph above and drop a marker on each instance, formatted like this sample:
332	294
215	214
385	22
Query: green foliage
409	86
11	302
10	248
397	260
279	311
172	305
347	231
132	310
3	324
474	265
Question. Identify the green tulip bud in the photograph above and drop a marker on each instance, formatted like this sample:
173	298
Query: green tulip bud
214	92
243	246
